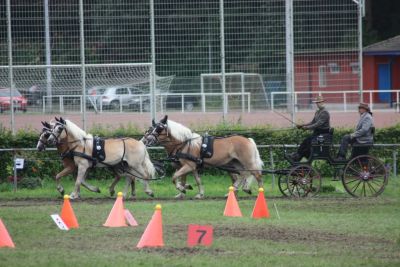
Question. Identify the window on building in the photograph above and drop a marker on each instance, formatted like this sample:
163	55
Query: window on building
322	76
334	68
355	67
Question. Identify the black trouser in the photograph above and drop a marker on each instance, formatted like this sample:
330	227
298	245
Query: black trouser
346	141
304	149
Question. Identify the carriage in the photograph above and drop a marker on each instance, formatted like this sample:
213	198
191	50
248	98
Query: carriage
362	175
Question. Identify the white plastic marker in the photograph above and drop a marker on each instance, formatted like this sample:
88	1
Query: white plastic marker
130	219
59	222
276	209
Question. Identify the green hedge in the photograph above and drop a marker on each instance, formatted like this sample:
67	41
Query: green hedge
46	165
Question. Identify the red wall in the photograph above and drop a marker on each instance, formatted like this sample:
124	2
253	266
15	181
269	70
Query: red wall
307	76
370	77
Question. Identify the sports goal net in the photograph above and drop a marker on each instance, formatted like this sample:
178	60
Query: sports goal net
57	87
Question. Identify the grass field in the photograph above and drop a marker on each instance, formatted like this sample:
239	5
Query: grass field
330	230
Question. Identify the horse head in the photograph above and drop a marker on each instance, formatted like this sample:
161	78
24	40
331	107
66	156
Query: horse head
58	128
151	136
44	136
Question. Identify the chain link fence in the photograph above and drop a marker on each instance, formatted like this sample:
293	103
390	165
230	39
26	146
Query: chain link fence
151	56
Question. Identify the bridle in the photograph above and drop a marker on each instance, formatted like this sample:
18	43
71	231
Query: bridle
156	131
45	134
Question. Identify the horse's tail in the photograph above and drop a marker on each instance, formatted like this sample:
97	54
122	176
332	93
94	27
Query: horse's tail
259	162
148	165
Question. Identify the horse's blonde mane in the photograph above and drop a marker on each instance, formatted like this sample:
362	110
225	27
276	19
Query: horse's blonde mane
77	132
180	132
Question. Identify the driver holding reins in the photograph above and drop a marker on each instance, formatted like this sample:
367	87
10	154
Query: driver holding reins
320	124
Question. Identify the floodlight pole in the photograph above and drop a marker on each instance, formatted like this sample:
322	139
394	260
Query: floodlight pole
290	58
153	63
10	66
83	66
222	56
49	92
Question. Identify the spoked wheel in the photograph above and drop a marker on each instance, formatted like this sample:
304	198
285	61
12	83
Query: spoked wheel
365	176
303	181
283	185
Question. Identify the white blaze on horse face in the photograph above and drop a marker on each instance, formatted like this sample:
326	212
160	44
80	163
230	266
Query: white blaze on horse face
53	138
43	138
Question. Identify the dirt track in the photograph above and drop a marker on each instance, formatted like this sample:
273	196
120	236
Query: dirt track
197	120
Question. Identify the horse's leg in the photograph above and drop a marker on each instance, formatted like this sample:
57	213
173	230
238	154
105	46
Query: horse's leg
133	188
90	187
235	181
82	172
179	173
147	188
129	179
258	176
111	189
67	170
246	183
184	185
199	185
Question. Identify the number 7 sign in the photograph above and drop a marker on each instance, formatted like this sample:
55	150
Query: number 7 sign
200	235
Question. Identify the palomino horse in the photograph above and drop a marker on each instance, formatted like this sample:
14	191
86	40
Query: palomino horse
68	162
126	156
234	153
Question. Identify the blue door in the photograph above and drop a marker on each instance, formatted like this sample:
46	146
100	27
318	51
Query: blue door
384	82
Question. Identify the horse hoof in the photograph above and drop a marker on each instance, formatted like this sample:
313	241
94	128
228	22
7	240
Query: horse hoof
188	187
248	191
199	196
180	196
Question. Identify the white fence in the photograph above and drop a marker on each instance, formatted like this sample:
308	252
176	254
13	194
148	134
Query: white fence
338	100
185	105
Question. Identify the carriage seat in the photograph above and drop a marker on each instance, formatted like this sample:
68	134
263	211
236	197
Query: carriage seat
362	149
324	139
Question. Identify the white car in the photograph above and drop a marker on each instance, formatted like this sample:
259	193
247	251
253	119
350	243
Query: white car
115	96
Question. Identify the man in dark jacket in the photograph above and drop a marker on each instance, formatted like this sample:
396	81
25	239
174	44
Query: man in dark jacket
363	133
320	124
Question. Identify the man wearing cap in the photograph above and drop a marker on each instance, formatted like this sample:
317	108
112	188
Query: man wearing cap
319	125
363	133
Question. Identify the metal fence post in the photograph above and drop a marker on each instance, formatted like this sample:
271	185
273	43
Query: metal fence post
395	163
271	158
222	57
15	171
10	65
83	67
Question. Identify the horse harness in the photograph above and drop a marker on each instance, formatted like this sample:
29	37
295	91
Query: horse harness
206	151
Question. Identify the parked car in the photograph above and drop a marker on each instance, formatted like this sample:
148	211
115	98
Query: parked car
34	95
20	102
115	96
139	100
94	95
175	102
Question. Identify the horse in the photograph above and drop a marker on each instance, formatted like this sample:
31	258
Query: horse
125	156
68	162
236	154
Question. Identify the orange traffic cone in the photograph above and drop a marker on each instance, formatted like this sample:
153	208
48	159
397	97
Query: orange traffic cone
153	235
5	239
232	207
68	215
116	218
260	208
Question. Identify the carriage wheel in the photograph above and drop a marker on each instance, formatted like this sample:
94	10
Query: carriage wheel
365	176
303	181
283	185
